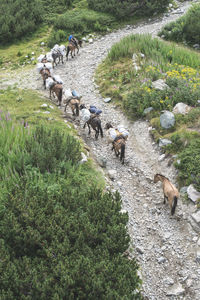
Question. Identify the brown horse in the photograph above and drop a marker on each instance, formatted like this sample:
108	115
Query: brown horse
74	105
57	88
45	72
169	190
72	47
118	144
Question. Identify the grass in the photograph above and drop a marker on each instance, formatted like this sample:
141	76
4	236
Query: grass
14	55
24	107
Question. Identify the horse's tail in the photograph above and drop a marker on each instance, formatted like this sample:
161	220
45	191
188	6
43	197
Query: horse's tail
122	156
67	53
60	96
174	204
100	128
77	109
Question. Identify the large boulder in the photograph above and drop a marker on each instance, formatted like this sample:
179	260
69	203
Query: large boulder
181	108
167	120
159	85
193	194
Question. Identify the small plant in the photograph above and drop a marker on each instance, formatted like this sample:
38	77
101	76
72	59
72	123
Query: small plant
19	53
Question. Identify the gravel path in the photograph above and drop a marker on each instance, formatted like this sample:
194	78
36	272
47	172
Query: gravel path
165	246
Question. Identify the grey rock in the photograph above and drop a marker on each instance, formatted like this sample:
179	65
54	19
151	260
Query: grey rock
162	157
112	174
193	194
183	190
196	217
189	282
147	110
198	256
196	46
44	105
107	100
102	161
168	281
84	158
140	250
160	85
46	112
161	259
176	290
167	120
181	108
164	142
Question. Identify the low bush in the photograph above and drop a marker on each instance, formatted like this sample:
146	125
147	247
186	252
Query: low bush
19	18
189	167
185	29
61	235
124	9
80	22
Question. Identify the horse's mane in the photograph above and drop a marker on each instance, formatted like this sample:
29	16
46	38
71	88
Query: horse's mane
162	176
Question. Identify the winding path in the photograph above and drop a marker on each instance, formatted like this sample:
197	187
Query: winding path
165	246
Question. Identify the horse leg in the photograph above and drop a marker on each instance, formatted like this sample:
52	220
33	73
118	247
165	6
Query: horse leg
165	197
96	134
88	128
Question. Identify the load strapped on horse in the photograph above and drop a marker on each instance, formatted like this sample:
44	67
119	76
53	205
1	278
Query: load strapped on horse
58	53
72	98
118	139
45	70
169	190
55	86
91	119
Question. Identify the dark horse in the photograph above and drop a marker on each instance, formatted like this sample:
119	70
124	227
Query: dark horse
169	190
45	72
57	55
118	144
72	47
95	122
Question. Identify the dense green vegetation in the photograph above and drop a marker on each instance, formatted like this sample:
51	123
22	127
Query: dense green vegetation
124	9
79	23
132	90
18	18
62	236
185	29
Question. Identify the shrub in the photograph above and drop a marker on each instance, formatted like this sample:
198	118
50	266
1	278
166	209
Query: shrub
124	9
19	18
61	236
185	28
79	22
189	167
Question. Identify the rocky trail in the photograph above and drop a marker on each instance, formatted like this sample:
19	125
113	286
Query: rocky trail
167	248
